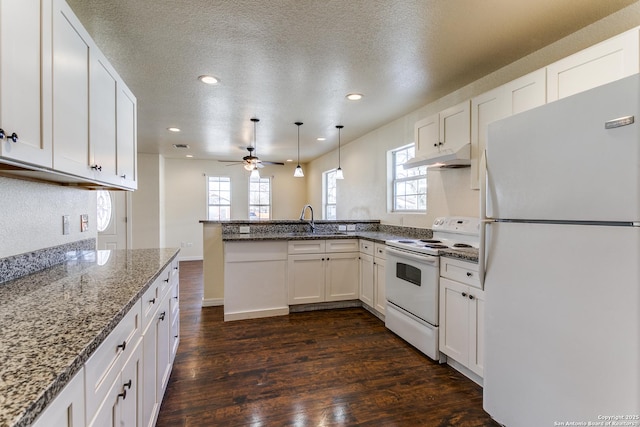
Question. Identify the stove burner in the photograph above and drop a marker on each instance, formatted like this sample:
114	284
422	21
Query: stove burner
405	241
430	241
436	246
462	245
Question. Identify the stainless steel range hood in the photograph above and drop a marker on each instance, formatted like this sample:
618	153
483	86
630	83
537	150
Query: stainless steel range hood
444	158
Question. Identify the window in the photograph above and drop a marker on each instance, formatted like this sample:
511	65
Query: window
329	194
410	185
219	198
259	198
104	210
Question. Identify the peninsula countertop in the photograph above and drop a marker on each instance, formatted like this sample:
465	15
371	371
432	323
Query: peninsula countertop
53	320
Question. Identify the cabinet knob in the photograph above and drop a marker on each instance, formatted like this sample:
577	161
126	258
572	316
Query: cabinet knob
440	143
123	176
2	134
128	384
162	315
470	296
176	297
123	395
152	300
464	294
469	274
175	336
122	346
435	145
14	137
96	167
166	280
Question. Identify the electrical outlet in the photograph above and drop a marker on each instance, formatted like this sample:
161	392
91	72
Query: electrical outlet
189	244
84	222
351	227
342	227
244	229
66	224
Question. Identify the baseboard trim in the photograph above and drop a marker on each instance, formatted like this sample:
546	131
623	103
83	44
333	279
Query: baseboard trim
212	302
283	311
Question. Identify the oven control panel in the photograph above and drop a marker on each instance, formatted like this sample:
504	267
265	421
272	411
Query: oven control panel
457	224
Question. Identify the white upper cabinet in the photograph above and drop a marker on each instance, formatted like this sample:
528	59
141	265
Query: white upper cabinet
603	63
71	45
447	130
25	81
514	97
126	137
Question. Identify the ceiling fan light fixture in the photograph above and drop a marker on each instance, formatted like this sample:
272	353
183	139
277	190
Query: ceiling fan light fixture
209	80
298	173
339	174
255	174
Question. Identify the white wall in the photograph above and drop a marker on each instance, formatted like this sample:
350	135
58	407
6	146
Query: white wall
185	198
148	203
31	215
363	192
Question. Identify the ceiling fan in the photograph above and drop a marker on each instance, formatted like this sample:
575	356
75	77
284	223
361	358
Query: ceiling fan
252	161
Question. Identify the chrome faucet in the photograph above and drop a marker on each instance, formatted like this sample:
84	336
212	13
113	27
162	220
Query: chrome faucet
311	223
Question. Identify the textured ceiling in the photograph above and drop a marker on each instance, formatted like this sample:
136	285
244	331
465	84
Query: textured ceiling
284	61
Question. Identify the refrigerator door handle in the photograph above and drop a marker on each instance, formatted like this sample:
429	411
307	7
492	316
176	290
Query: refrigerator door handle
484	220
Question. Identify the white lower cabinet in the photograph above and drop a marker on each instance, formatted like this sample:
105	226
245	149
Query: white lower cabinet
372	280
379	281
462	315
322	270
67	410
124	380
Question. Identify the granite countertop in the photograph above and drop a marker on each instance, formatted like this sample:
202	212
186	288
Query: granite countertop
53	320
470	255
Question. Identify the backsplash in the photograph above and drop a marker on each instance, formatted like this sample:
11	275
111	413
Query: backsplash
17	266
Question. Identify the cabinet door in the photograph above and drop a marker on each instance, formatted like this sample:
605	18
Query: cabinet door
108	413
67	409
150	404
526	92
25	80
163	349
427	133
175	319
476	331
103	118
341	281
71	45
454	320
455	126
126	137
131	378
366	279
485	108
380	296
603	63
305	278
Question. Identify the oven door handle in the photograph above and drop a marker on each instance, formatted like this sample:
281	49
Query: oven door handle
427	259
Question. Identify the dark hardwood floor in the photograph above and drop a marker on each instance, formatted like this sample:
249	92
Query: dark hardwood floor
322	368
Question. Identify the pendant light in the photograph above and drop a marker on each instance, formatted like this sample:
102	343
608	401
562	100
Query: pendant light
339	174
298	172
253	167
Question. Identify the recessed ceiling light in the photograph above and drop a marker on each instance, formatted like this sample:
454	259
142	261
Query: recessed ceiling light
189	155
210	80
321	138
289	160
173	129
354	96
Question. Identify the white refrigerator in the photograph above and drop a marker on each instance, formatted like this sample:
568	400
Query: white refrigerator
561	261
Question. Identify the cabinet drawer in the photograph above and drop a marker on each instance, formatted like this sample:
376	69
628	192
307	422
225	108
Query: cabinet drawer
150	301
461	271
380	251
342	245
164	280
306	246
104	365
366	247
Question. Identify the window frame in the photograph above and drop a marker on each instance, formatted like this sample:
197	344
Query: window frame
409	177
219	205
325	194
259	205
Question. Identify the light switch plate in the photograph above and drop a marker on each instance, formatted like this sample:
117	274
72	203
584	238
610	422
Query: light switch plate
351	227
342	227
84	222
66	224
244	229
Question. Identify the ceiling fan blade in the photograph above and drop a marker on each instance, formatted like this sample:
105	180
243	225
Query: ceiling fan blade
273	163
230	161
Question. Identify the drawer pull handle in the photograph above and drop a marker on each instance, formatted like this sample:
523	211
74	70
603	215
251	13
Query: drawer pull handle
162	315
123	176
152	300
469	274
123	395
122	346
96	167
2	133
128	384
14	137
175	336
176	297
470	296
166	280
